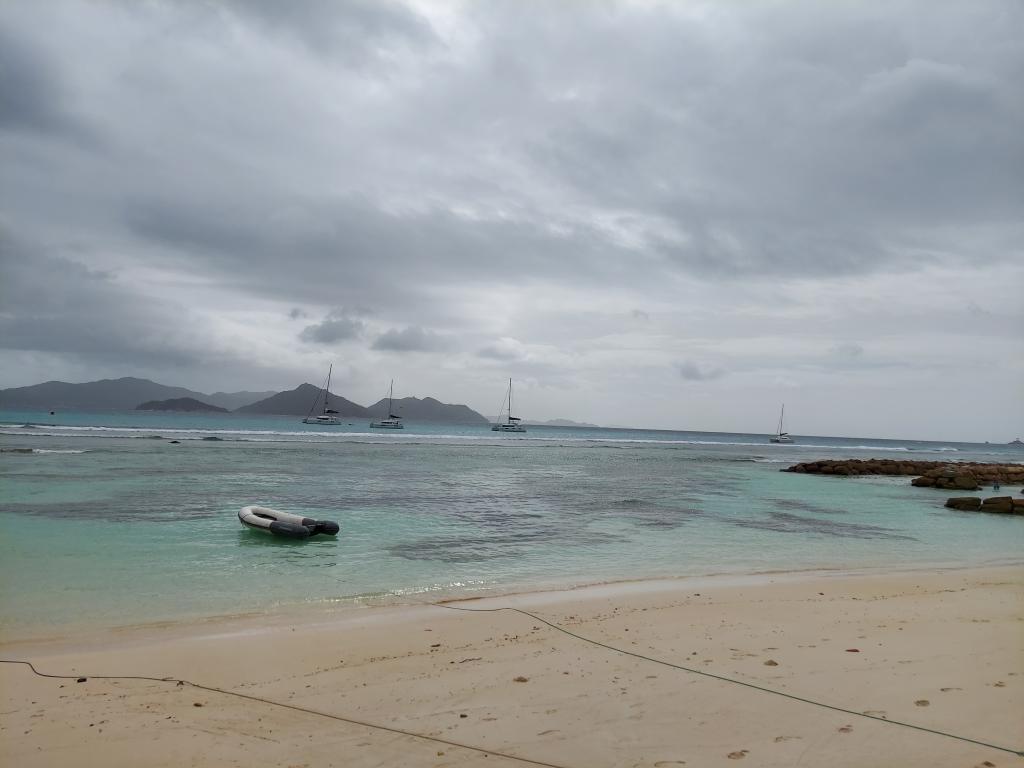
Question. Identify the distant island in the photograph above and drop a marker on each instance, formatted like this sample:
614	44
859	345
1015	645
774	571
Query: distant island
132	394
427	409
185	404
297	402
563	423
122	394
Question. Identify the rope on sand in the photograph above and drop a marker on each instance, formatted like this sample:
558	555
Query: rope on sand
460	745
305	710
1018	752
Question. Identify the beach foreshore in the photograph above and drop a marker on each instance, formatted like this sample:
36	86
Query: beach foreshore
940	649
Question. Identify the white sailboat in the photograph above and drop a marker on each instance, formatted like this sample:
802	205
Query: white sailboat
392	421
328	416
511	423
780	435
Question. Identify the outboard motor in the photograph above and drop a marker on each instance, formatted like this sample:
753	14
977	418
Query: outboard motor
320	526
290	530
328	527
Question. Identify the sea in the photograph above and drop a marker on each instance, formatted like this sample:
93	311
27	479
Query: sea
122	519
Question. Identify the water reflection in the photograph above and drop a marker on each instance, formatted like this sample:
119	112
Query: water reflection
315	551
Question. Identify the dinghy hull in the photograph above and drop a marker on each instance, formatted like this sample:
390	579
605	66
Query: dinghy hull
284	524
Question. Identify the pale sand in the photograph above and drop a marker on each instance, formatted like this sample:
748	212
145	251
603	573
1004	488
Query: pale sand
943	650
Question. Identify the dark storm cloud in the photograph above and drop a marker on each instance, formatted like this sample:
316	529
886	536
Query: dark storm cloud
337	326
31	93
355	249
354	30
690	371
798	140
773	151
53	304
412	339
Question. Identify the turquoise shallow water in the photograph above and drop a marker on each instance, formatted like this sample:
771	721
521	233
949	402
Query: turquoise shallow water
104	522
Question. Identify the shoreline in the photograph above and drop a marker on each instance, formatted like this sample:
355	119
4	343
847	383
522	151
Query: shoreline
329	610
940	649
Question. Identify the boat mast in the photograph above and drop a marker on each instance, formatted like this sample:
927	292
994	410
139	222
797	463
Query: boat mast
327	389
781	414
510	400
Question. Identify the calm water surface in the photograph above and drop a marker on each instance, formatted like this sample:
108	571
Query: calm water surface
103	521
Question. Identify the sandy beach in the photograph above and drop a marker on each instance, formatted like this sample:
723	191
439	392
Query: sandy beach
943	650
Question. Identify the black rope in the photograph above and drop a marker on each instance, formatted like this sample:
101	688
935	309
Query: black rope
1019	753
295	707
340	718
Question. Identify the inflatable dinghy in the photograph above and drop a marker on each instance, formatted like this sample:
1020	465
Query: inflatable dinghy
284	524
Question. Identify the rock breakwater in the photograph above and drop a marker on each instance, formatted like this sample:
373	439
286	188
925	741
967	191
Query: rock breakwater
959	476
1004	505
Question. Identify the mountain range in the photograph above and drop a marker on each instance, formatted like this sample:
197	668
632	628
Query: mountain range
184	404
112	395
128	394
297	402
427	409
561	423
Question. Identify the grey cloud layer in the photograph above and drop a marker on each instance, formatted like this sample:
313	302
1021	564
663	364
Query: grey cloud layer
691	371
485	178
412	339
57	305
351	30
807	140
337	326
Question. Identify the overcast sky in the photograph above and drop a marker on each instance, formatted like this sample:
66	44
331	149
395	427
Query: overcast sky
675	215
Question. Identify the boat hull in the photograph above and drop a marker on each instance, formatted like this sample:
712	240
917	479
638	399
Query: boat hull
284	524
385	425
507	428
324	420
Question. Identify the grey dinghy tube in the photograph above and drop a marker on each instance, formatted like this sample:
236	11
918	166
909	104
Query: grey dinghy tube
284	524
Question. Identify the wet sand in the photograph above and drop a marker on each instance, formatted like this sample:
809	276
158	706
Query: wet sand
940	649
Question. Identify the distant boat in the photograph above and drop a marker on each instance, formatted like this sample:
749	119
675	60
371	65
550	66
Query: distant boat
1015	442
511	423
392	421
328	416
781	436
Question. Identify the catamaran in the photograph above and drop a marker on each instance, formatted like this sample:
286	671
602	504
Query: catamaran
392	421
328	415
781	436
511	423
